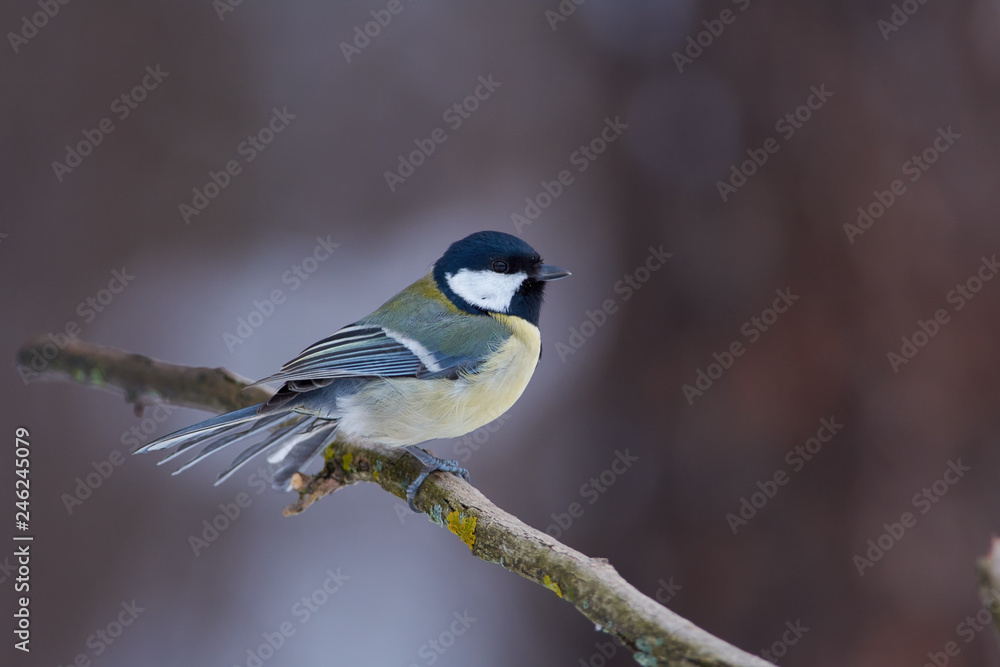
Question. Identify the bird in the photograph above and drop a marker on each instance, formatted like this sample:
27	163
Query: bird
450	353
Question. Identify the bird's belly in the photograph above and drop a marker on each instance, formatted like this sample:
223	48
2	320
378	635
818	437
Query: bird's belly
408	411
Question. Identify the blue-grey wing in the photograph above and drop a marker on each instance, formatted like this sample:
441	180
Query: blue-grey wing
439	341
368	351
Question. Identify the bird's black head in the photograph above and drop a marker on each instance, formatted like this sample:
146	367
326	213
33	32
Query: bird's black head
495	272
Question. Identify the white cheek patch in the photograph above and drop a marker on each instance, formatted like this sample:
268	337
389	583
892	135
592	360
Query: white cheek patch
486	289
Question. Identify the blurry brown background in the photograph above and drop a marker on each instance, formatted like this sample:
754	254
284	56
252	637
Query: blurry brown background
664	520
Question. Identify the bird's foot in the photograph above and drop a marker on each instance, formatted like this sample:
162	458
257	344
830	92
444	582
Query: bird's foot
431	464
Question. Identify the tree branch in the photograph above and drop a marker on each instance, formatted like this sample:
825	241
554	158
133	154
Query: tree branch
655	634
988	569
142	380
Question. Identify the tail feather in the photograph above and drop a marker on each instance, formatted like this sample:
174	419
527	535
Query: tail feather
301	455
278	453
295	438
216	445
254	450
199	431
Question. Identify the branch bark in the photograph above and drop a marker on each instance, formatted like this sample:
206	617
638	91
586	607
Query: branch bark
988	569
656	635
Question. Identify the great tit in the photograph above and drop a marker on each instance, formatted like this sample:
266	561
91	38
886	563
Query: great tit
448	354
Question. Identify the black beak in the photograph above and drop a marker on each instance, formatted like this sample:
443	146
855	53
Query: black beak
548	272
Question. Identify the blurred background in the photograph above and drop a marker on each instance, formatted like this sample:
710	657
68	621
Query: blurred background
833	101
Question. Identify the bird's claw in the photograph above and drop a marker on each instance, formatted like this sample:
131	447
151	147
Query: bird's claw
431	464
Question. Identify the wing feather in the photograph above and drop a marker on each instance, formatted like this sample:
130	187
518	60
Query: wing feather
368	351
374	346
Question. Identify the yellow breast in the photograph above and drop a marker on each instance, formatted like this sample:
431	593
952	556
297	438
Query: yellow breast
408	411
501	380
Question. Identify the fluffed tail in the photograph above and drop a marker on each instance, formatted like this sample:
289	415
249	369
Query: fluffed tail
295	439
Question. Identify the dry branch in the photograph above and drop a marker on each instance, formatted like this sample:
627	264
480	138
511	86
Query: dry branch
655	634
989	582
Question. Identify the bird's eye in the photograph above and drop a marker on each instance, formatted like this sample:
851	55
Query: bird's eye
500	266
